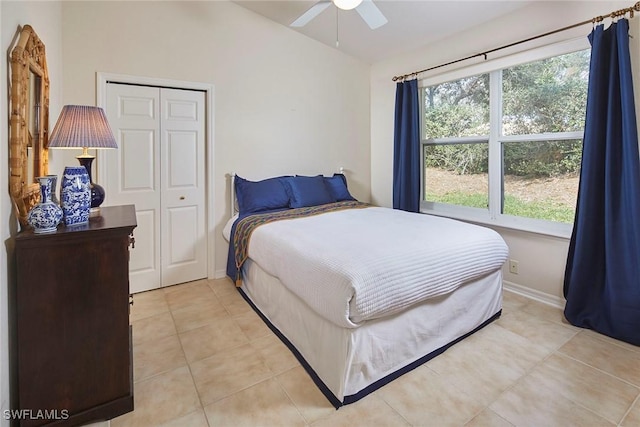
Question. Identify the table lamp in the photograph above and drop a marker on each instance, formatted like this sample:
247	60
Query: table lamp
84	126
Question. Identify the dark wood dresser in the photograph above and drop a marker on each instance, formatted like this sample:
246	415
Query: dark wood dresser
73	338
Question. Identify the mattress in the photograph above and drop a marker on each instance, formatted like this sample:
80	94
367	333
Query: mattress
355	265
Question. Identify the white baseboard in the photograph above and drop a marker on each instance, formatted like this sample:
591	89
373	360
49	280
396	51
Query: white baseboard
533	294
219	274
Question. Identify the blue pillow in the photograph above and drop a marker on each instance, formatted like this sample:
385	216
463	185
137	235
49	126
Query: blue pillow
260	195
308	191
337	185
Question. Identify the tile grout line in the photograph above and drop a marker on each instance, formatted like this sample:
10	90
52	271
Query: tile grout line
193	381
284	390
172	369
552	351
275	377
633	404
202	405
134	345
559	353
518	381
426	365
637	386
394	409
580	404
610	340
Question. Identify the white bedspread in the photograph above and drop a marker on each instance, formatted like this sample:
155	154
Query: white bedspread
360	264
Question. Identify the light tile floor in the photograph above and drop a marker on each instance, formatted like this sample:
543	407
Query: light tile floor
202	357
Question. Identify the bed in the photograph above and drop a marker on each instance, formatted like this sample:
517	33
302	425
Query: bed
360	294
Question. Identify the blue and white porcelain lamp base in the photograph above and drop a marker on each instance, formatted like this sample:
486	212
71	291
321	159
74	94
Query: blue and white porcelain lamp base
75	195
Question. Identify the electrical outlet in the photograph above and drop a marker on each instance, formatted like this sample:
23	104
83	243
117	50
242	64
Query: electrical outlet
513	266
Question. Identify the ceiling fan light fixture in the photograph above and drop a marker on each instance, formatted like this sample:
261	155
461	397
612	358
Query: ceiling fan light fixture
347	4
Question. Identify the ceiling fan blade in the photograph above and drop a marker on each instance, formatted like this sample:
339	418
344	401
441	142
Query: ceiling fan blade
313	11
371	14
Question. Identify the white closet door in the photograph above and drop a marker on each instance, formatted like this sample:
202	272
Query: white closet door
159	167
184	245
134	174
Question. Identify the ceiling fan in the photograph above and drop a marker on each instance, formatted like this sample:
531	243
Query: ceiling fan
366	8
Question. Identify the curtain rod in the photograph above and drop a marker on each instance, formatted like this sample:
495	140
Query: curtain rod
595	20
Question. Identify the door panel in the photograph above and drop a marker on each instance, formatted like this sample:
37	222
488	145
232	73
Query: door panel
137	105
182	222
136	157
134	174
182	148
183	186
159	167
182	109
145	260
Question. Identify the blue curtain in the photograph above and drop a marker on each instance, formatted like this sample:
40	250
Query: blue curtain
406	148
602	277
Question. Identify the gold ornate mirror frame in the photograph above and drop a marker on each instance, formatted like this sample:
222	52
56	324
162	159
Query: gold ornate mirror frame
28	140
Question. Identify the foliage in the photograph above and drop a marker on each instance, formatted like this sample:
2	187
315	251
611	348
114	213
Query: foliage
542	158
546	96
461	158
538	97
458	108
546	210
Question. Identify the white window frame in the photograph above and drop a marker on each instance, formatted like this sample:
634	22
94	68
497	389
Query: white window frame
493	216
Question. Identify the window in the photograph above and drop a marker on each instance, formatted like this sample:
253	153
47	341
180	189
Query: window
456	122
504	145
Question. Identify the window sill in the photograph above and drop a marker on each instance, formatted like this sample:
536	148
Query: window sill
481	217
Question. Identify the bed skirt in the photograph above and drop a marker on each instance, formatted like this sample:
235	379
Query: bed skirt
348	363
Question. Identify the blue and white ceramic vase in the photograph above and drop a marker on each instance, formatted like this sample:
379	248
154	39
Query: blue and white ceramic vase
75	195
54	187
46	215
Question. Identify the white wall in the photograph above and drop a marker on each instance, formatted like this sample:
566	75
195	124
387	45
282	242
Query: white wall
45	18
541	258
283	102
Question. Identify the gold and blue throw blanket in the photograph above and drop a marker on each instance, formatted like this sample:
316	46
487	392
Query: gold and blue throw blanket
244	227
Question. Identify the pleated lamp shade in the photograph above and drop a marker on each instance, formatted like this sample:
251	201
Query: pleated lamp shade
82	126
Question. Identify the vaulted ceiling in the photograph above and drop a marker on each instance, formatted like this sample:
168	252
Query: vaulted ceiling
412	23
